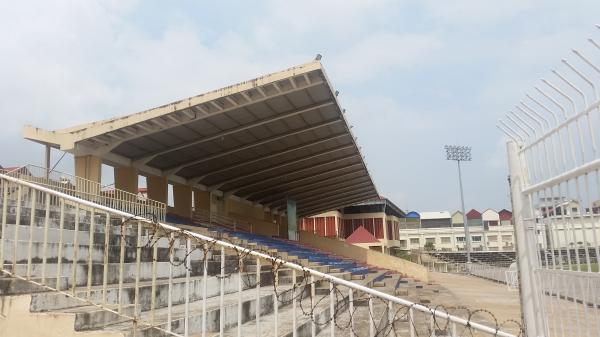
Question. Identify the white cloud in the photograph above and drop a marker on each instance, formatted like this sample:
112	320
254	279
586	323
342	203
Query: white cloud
337	17
383	52
477	11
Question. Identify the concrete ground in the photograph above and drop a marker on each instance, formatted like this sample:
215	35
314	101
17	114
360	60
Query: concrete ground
478	293
458	294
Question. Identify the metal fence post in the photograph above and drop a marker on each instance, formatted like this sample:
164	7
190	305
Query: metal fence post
526	257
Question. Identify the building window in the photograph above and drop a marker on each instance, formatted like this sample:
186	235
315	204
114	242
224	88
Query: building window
492	238
402	243
414	241
506	237
460	239
429	240
476	238
446	239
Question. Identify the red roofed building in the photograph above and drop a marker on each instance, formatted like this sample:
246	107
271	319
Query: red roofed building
378	216
362	237
505	217
474	218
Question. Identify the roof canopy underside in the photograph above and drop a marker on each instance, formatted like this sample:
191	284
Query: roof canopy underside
276	137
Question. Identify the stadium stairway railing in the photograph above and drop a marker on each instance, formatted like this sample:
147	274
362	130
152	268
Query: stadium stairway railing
113	271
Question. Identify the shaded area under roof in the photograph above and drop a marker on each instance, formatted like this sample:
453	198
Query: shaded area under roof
378	204
277	137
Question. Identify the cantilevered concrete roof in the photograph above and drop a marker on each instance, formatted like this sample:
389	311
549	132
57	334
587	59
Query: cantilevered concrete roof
275	137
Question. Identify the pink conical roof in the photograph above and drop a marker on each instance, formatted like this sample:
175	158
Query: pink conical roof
361	235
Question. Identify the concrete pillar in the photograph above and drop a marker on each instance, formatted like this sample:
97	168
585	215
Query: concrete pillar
292	221
201	200
90	169
384	243
158	188
126	179
182	197
47	160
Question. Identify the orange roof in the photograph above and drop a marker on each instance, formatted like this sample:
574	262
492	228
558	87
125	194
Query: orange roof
361	235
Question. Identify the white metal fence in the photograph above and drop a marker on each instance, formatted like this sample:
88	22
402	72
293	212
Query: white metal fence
151	276
92	191
555	187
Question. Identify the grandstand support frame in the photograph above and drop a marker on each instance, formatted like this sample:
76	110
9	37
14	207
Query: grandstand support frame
281	130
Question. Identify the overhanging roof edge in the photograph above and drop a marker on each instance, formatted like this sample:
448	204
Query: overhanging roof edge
77	133
337	101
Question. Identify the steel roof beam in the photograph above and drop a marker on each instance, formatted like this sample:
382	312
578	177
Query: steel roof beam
243	127
262	181
325	183
345	202
327	205
292	162
309	201
179	167
331	192
301	180
164	126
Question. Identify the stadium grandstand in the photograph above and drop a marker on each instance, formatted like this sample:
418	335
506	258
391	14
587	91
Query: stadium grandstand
244	162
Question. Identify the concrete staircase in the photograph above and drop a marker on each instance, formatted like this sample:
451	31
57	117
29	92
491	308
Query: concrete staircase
96	267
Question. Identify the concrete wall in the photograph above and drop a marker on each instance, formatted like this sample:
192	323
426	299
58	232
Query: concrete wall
182	200
17	321
157	188
88	167
126	179
201	200
238	208
249	213
366	256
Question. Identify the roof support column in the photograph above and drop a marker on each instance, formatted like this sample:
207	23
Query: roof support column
292	220
157	188
182	199
47	160
89	168
126	179
201	200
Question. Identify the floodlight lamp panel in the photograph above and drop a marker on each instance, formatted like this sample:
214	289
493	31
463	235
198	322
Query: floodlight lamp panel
458	153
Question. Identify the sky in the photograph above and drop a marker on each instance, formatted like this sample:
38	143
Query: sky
412	75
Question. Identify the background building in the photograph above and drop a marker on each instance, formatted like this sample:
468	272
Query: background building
379	216
397	230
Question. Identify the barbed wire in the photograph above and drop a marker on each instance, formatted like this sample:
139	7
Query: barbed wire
304	291
313	300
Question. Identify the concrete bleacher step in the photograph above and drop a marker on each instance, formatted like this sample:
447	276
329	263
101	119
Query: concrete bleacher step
54	301
50	251
89	317
284	322
213	313
93	318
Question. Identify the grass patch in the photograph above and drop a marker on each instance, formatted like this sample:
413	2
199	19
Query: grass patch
585	267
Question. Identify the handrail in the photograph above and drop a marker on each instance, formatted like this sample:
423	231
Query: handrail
276	260
91	190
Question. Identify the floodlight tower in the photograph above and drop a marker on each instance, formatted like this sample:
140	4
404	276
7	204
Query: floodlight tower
461	153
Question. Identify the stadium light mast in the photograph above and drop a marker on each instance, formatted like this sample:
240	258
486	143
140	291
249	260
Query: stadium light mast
458	154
